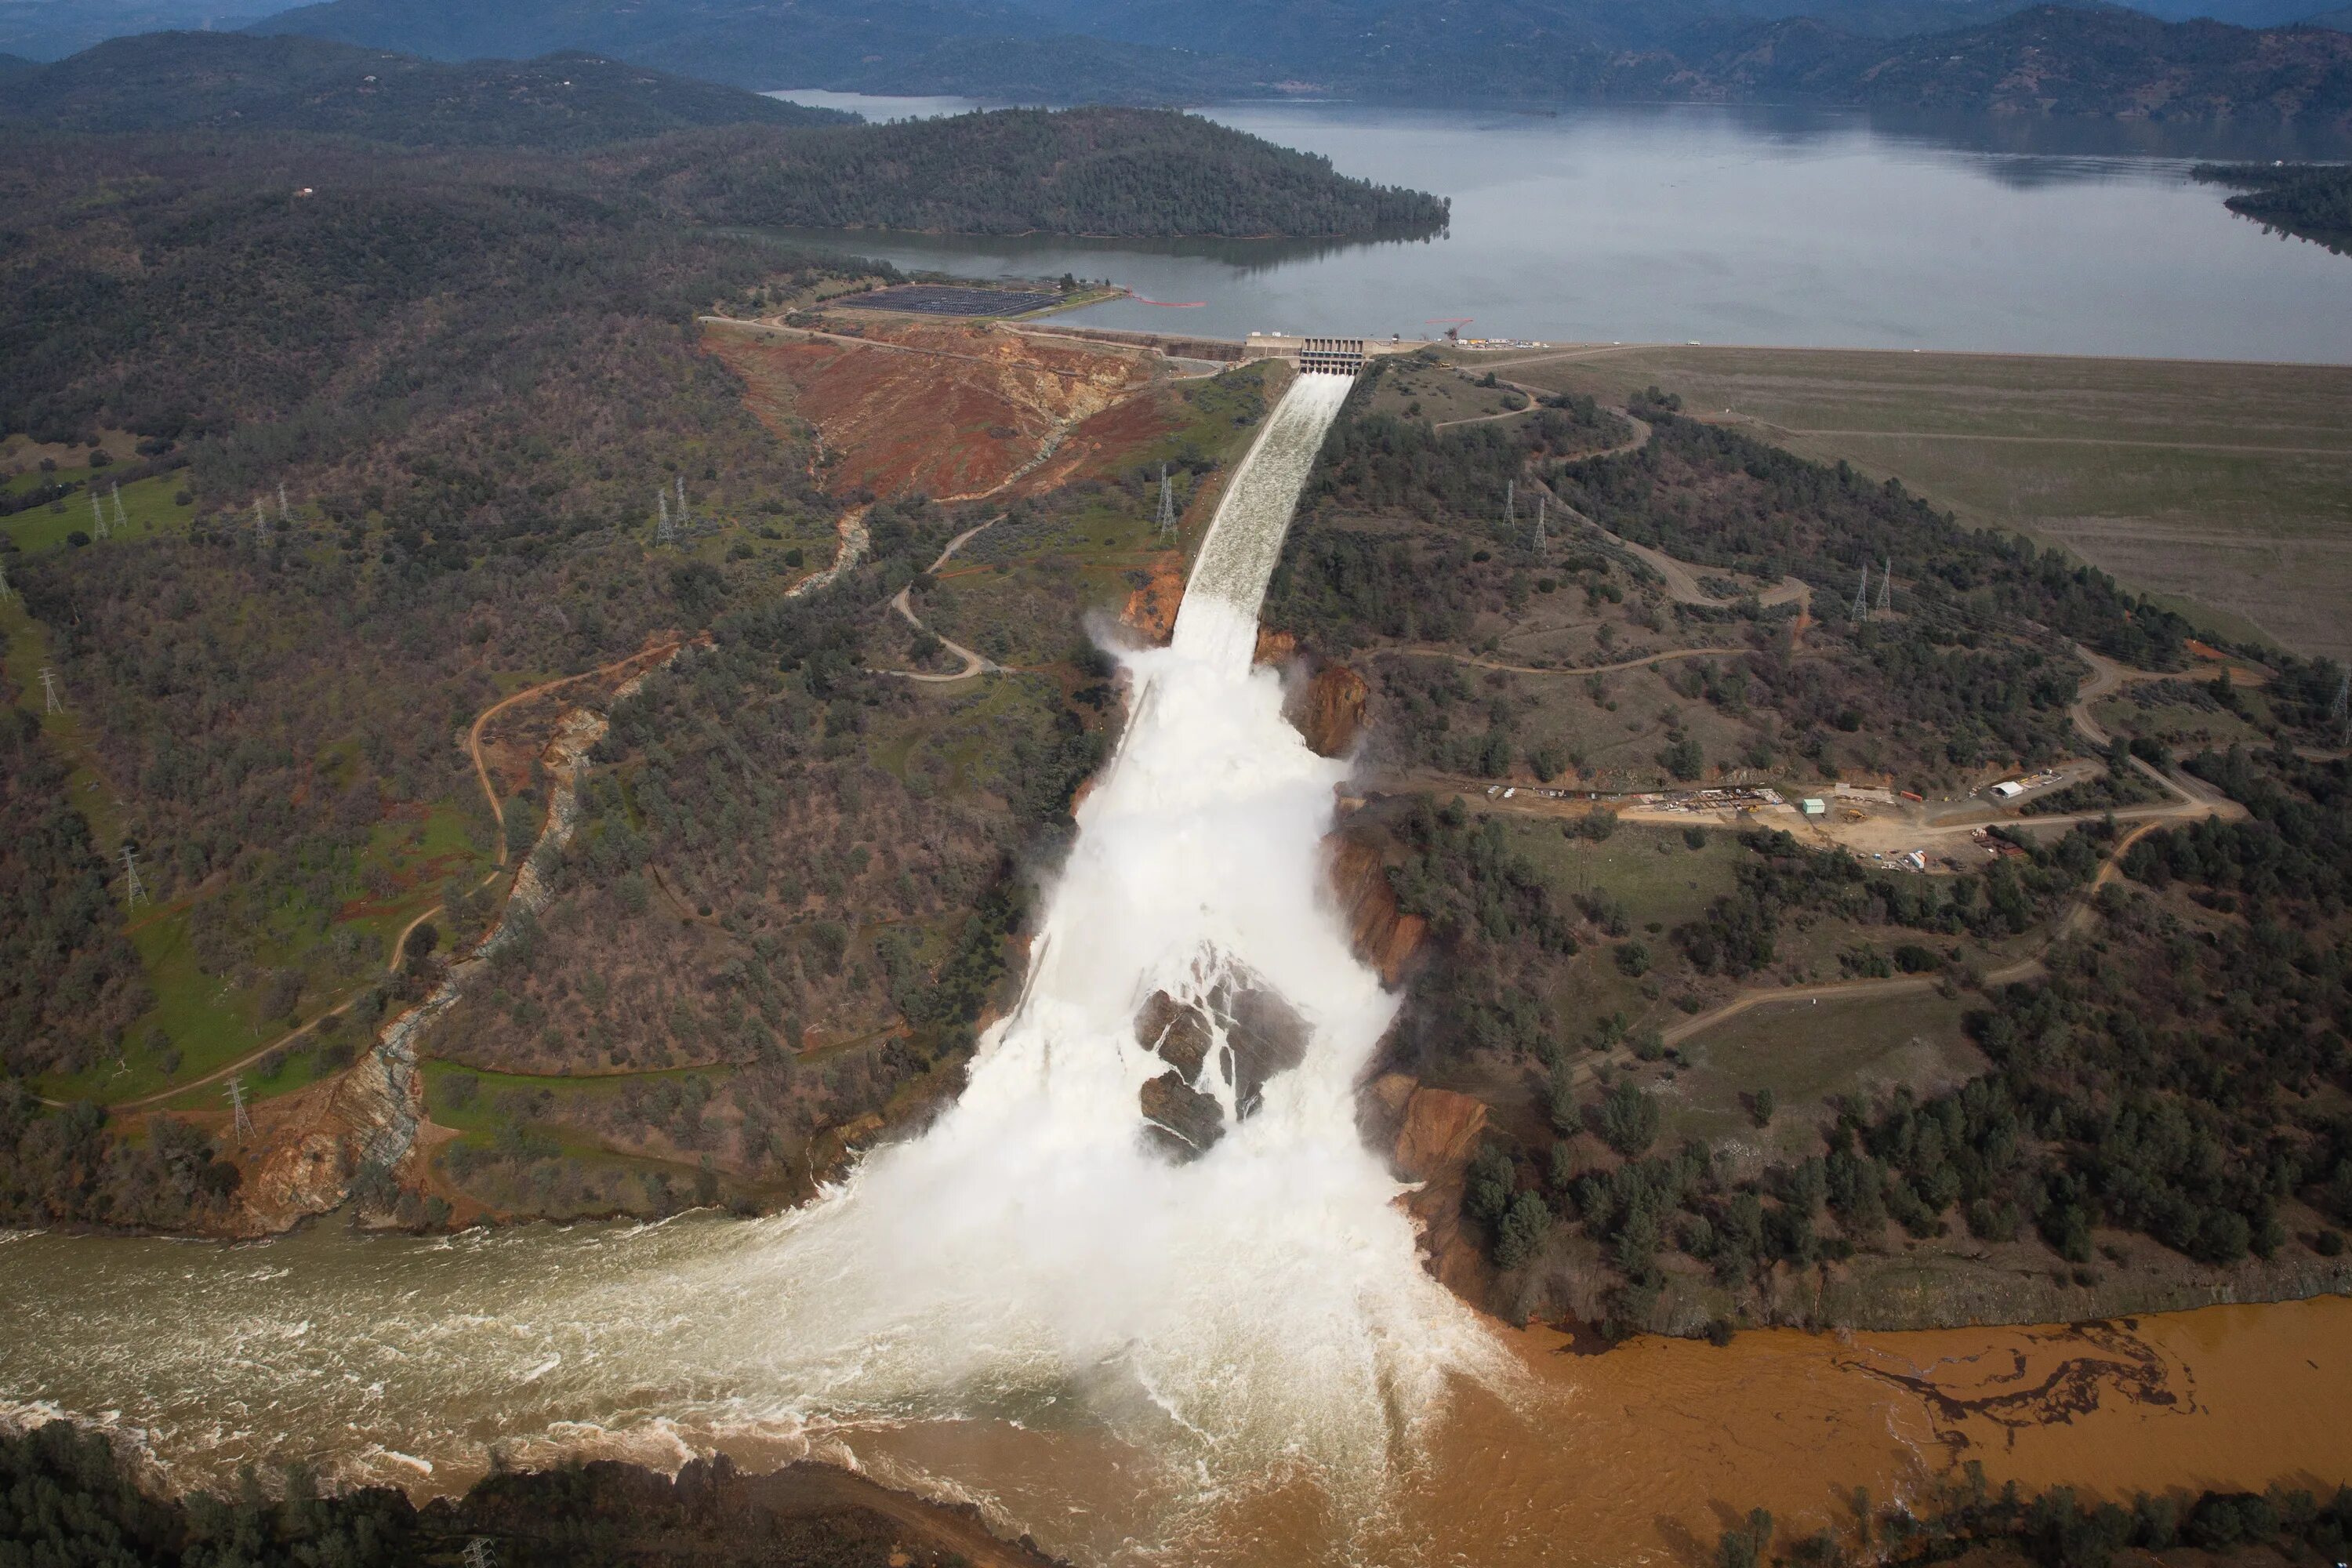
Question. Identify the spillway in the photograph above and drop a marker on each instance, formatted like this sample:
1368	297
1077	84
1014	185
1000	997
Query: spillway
1232	1309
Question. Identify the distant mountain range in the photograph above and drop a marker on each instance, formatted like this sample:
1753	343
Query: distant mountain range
160	81
1945	55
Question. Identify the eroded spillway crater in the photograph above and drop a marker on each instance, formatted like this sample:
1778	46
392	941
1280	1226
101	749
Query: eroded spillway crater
1220	1049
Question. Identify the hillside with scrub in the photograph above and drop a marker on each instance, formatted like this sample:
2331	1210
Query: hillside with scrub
1720	1061
492	678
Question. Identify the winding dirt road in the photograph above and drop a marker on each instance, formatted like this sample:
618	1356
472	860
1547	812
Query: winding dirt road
650	656
974	664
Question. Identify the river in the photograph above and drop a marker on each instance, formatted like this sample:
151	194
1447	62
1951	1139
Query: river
1788	227
407	1360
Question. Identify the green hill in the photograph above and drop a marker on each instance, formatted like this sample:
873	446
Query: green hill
983	48
2054	59
1079	170
169	81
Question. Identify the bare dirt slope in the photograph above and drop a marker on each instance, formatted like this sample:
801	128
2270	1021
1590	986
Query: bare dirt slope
948	410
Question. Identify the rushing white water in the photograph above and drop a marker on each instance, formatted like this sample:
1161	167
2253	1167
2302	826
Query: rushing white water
1031	1257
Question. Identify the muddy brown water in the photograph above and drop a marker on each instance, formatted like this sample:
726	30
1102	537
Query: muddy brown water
407	1361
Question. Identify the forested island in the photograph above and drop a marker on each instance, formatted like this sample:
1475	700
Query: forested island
2310	201
1016	171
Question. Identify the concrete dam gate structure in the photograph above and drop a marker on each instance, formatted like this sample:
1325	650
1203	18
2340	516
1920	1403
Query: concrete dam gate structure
1336	356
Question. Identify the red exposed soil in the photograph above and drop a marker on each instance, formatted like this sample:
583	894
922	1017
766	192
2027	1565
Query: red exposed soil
1152	609
949	411
1385	936
1329	712
1104	446
1431	1134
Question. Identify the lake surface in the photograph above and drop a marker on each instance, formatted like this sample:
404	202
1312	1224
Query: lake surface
1673	223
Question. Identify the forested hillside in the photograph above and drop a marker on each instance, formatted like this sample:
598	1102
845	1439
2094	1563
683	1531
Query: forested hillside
2111	1055
1084	171
2056	59
2311	201
983	48
1931	54
226	80
329	480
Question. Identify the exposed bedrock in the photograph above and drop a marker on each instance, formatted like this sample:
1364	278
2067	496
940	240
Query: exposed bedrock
1328	710
1254	1036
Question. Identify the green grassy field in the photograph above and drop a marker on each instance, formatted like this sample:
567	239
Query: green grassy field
1804	1054
2226	490
149	507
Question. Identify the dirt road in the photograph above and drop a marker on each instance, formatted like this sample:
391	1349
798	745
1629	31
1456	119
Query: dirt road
974	664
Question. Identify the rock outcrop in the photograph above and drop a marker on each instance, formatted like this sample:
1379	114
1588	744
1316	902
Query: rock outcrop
1430	1135
1330	710
1263	1037
1384	936
1152	609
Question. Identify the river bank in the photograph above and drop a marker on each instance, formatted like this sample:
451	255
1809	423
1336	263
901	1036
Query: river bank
428	1364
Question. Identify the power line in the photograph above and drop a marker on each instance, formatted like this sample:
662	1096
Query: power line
240	1121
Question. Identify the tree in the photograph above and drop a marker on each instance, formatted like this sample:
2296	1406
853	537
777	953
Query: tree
1627	1119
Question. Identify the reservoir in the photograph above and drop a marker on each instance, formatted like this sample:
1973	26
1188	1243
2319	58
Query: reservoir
1749	225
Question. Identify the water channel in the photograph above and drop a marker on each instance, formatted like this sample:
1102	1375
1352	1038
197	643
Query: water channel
1790	228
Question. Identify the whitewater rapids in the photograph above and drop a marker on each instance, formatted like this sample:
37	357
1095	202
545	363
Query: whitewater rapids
1259	1312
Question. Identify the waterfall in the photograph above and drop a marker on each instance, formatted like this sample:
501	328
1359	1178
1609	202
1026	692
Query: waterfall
1148	1214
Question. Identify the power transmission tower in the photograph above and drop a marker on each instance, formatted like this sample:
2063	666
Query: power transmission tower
1167	503
1886	587
2340	709
138	889
240	1122
260	524
480	1553
682	514
97	518
1541	497
285	512
7	593
1862	595
664	533
120	520
1510	502
50	691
